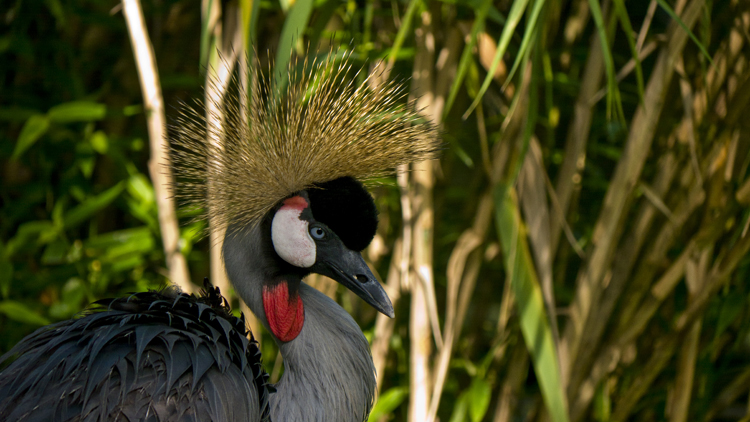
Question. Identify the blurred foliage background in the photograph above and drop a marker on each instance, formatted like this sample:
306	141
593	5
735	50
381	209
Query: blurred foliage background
580	252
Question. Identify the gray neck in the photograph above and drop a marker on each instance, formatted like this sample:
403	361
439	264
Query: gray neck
328	369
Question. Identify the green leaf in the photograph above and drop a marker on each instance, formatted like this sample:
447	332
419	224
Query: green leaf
97	245
466	55
206	37
6	272
514	17
479	399
532	315
56	9
679	21
16	114
294	28
55	253
73	295
77	111
388	402
249	10
461	408
17	311
285	5
29	234
403	31
613	92
99	142
528	35
140	187
91	206
731	307
34	127
622	14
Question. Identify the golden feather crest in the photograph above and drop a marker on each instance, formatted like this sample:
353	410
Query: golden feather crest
321	127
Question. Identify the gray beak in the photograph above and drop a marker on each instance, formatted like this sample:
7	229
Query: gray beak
349	268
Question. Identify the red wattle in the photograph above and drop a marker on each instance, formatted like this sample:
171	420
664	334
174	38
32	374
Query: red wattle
285	314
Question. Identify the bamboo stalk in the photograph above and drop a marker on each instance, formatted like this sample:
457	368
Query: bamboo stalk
158	165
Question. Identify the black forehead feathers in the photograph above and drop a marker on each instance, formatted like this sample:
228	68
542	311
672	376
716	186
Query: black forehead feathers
345	206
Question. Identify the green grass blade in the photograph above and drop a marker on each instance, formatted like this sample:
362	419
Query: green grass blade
528	296
529	34
294	28
249	10
466	55
322	18
514	17
663	4
403	31
613	92
388	402
205	36
33	129
17	311
622	15
91	206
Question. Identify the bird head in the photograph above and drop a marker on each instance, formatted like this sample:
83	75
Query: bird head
284	169
324	229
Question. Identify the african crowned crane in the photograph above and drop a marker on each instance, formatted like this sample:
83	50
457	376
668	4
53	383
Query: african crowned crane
281	177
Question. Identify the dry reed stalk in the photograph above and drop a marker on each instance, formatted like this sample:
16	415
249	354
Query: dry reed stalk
467	243
420	327
533	199
432	78
608	227
569	176
663	351
740	384
222	59
465	259
679	405
636	314
384	325
622	269
158	165
723	267
713	227
518	368
695	277
246	80
574	27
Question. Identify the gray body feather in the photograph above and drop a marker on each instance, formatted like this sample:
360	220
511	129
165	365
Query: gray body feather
149	357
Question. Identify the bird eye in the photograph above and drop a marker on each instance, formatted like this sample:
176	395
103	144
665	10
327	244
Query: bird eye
317	233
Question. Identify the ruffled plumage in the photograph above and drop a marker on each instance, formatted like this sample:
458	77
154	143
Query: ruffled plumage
319	128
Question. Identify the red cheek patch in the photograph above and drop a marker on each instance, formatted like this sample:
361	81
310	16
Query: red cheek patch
296	202
285	314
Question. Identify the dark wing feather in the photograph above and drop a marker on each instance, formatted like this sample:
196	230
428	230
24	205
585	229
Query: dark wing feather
155	356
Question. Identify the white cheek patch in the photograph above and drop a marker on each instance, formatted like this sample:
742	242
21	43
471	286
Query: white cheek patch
291	238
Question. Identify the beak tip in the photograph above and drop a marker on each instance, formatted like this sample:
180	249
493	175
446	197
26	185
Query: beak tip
386	306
